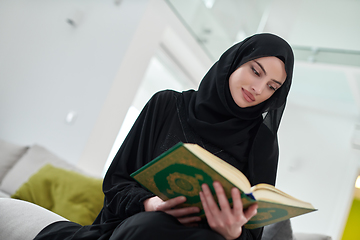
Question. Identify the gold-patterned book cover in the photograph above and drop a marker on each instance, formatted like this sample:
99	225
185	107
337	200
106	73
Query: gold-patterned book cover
182	170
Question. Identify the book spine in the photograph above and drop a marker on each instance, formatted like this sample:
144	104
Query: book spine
251	196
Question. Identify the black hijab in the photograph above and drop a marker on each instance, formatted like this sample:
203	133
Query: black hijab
245	133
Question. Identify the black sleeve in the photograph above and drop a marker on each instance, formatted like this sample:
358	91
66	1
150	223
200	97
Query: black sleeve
123	195
251	234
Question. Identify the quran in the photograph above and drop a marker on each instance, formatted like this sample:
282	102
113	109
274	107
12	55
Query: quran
181	170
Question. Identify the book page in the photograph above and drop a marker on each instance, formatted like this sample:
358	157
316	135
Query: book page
269	193
225	169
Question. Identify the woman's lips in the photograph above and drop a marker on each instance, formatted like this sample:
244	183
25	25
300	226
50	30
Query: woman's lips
248	96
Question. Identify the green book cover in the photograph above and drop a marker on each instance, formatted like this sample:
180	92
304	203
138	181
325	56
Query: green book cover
182	170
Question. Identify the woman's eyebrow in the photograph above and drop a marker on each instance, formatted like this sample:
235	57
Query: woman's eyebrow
260	66
265	72
277	82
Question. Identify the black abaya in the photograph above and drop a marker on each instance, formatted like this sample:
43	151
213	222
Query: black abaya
168	126
208	117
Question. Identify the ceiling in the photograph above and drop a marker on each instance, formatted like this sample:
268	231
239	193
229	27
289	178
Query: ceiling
322	30
324	34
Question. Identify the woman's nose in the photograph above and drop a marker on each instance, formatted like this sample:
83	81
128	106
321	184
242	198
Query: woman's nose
258	86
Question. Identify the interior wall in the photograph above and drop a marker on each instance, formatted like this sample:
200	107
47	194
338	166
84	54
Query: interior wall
314	167
323	19
49	67
160	27
91	68
318	163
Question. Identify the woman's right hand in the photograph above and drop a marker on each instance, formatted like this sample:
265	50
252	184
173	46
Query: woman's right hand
182	214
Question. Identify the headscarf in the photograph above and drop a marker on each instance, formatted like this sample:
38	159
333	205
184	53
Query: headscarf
243	132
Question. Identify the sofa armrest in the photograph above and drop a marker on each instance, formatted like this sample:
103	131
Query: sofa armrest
4	194
31	162
21	220
311	236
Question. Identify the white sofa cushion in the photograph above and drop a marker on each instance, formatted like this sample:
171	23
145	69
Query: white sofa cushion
4	195
9	155
21	220
278	231
34	159
310	236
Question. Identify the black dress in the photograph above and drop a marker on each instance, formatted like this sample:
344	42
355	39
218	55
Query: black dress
165	115
244	137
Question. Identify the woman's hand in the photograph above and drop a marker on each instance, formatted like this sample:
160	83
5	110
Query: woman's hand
156	204
227	221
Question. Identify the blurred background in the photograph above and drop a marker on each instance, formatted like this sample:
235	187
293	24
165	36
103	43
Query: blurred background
75	74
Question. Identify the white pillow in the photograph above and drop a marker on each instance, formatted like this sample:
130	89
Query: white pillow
21	220
4	195
34	159
310	236
9	155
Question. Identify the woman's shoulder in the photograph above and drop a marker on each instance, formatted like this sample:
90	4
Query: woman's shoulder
163	94
166	97
171	94
163	100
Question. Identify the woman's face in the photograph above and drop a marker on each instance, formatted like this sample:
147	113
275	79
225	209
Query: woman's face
256	81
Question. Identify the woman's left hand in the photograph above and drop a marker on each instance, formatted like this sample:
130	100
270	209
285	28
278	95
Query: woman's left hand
227	221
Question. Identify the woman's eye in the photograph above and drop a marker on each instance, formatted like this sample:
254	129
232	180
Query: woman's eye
272	87
256	72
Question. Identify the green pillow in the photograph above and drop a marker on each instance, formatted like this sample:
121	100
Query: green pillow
70	194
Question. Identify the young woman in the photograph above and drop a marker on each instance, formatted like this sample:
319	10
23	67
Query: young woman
235	114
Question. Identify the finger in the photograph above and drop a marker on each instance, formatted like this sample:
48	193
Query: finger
223	200
169	204
206	208
180	212
251	211
237	203
209	199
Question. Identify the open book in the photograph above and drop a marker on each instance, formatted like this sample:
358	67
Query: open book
182	170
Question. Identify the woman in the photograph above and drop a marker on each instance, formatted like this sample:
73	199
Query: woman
235	114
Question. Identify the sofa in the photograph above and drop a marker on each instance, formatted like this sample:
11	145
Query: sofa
18	163
38	188
42	182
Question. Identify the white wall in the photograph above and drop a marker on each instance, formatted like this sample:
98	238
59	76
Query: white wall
48	67
317	161
317	165
159	27
323	19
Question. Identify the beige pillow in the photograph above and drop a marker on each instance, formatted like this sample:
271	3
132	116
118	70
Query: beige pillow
9	154
35	158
